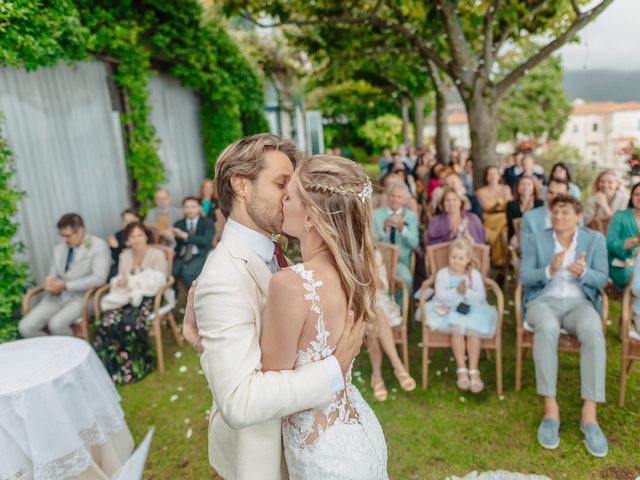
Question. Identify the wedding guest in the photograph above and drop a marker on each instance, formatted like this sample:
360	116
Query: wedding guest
193	235
459	307
121	337
493	197
208	197
605	199
163	215
561	270
381	200
530	169
398	225
79	263
527	198
561	171
623	239
436	174
539	219
384	161
454	221
453	180
412	158
117	242
398	163
389	315
407	179
514	168
635	290
467	175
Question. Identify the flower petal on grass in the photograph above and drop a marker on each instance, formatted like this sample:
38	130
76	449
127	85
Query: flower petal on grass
182	369
178	354
173	398
189	433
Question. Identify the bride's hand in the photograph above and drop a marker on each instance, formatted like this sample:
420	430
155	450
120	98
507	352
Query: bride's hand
189	326
350	342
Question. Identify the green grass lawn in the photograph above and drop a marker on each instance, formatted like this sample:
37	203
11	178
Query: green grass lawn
430	434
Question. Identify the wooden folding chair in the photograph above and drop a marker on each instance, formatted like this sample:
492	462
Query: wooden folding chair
524	333
437	258
630	342
390	254
81	326
514	257
160	312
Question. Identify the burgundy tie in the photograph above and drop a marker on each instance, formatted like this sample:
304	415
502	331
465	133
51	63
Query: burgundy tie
279	254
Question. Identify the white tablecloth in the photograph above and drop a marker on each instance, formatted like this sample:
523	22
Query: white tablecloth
57	404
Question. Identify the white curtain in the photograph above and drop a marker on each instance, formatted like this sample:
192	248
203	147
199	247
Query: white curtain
174	114
68	152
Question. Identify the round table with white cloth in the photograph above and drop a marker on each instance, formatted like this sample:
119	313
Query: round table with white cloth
60	414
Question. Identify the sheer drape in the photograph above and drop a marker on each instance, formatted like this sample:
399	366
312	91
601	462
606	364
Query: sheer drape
68	152
174	114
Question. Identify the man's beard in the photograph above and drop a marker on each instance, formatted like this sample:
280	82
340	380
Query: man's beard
263	215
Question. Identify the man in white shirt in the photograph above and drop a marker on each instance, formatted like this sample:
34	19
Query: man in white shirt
561	270
244	430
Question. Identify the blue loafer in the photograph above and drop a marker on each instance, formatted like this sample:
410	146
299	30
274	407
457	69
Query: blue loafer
594	439
548	433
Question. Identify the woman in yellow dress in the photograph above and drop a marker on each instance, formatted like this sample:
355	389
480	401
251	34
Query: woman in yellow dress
493	197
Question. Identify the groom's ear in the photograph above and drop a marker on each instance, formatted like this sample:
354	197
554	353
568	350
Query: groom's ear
240	186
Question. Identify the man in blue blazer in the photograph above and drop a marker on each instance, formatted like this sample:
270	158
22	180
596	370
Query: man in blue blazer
561	270
538	219
398	225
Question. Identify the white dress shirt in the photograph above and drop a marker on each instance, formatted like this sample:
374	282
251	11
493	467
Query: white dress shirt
192	224
564	284
265	249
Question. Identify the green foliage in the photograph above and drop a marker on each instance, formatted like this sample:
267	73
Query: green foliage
536	105
346	106
13	273
381	132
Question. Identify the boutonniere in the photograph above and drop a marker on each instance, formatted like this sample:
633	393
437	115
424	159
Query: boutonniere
87	243
281	240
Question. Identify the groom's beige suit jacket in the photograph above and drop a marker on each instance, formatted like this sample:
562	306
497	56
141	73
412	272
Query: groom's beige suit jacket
244	427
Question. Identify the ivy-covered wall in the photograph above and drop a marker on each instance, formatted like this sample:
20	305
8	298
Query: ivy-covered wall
136	34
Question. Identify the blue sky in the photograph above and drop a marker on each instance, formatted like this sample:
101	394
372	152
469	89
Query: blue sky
611	41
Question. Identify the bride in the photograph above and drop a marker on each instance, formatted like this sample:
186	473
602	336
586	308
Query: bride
328	208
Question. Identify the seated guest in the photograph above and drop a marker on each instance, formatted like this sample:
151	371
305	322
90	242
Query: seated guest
526	199
208	197
605	199
454	221
121	338
635	290
530	169
407	179
467	175
381	200
398	225
193	235
163	215
453	180
493	197
512	170
79	263
385	160
436	174
117	242
562	269
539	219
561	171
623	239
389	315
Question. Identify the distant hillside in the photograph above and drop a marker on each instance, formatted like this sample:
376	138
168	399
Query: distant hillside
601	85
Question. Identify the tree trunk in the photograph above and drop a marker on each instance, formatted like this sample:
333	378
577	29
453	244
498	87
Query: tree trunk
482	113
418	121
443	144
406	139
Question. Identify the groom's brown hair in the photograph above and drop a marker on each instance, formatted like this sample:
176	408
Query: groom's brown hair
245	158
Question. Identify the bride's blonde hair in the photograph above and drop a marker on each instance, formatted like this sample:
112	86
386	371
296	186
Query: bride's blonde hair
336	193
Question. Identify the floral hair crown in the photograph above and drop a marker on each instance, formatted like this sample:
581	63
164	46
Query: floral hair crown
366	192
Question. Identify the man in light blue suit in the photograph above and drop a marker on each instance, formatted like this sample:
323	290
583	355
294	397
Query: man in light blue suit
538	219
398	225
561	270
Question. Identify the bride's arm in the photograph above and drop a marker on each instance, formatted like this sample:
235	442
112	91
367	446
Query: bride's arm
282	321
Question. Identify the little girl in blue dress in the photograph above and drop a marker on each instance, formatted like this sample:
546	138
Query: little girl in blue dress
460	307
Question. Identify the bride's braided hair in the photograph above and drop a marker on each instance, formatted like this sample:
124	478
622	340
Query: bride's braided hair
336	193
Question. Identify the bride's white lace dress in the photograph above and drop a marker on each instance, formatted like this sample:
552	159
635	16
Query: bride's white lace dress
343	440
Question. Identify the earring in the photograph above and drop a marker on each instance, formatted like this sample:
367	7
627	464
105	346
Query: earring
307	227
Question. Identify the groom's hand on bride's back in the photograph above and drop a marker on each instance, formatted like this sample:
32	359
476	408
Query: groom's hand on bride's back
350	342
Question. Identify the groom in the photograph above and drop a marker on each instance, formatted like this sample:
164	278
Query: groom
244	429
